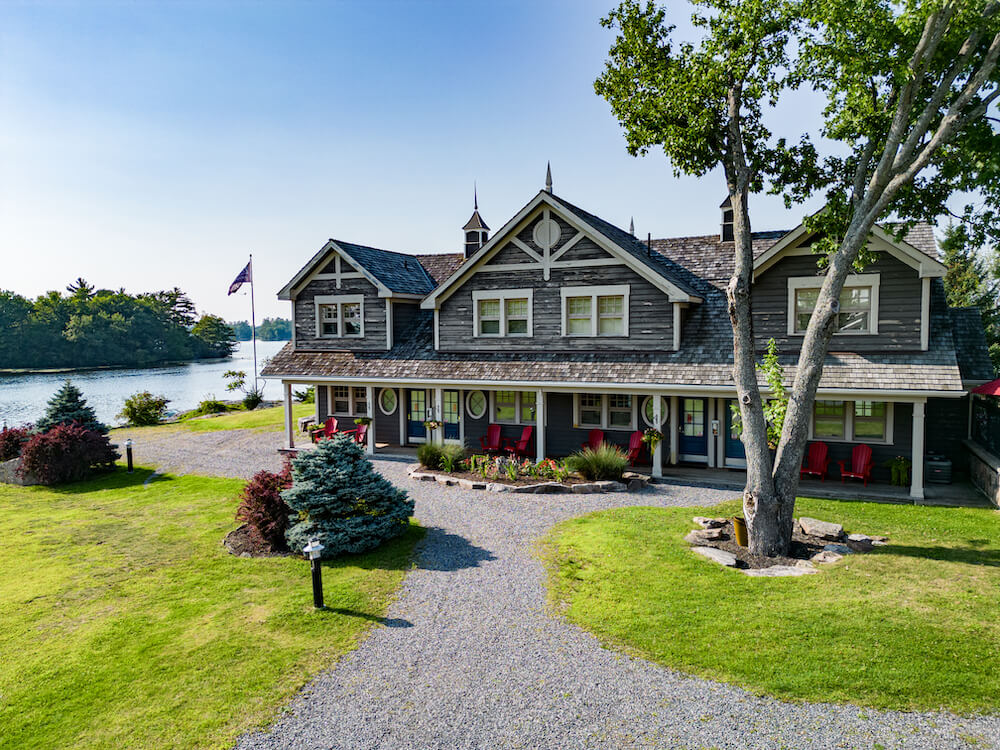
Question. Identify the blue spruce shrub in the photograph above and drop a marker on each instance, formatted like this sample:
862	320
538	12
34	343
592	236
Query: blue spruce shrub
337	497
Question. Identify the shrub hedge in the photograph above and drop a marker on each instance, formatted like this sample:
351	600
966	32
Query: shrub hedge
66	453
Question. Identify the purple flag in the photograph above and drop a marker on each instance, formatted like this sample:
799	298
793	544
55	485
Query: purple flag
244	277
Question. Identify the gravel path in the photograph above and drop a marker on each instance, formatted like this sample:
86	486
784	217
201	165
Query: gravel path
469	656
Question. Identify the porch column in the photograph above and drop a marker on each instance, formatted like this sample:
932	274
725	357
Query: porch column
370	395
539	425
917	472
289	417
439	412
658	421
675	422
402	406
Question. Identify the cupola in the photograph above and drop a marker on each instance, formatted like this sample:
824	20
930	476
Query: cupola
726	235
476	231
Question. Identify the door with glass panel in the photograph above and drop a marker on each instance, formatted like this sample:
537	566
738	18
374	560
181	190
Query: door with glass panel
416	415
736	454
452	415
693	442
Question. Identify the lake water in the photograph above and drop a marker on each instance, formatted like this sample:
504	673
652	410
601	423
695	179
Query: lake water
23	397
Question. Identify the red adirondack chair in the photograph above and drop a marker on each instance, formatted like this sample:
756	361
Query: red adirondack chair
329	430
817	462
634	447
861	464
360	434
519	447
492	443
594	439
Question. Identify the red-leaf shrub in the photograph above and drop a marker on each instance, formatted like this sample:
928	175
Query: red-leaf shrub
66	453
12	439
262	508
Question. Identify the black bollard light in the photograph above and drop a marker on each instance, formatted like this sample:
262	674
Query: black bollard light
128	454
313	549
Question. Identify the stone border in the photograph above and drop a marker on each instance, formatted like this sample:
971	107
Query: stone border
633	483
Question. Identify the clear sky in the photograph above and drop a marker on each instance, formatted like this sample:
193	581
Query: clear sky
150	145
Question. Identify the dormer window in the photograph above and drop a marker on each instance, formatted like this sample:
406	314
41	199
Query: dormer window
340	316
502	313
595	310
858	304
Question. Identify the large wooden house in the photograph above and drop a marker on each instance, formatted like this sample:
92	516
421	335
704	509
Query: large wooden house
565	322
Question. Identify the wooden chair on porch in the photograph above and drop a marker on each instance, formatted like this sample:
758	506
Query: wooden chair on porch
360	434
492	443
817	461
328	431
594	439
634	447
861	464
520	447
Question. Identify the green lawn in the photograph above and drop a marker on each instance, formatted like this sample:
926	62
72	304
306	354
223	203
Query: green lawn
125	624
272	418
915	625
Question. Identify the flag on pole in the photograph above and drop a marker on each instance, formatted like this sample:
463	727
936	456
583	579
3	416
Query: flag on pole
244	277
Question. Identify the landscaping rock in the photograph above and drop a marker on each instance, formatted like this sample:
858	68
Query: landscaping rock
779	571
805	564
636	485
422	476
858	538
469	484
701	536
635	475
9	475
447	481
585	489
826	557
543	488
879	542
717	555
607	486
821	529
840	549
709	523
497	487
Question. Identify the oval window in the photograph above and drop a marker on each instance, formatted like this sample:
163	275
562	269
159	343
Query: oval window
475	404
387	401
647	411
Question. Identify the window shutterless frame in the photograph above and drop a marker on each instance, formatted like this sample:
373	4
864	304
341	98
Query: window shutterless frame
607	310
343	313
803	288
510	308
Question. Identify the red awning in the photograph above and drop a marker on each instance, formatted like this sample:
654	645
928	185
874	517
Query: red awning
988	389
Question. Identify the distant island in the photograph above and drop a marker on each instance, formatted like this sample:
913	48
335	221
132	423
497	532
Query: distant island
88	327
272	329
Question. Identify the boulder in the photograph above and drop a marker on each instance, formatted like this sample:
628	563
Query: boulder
858	538
780	571
608	486
717	555
471	484
840	549
709	523
701	536
497	487
636	485
826	557
821	529
447	481
585	488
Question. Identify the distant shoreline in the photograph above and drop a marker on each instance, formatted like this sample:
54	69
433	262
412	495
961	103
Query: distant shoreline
98	368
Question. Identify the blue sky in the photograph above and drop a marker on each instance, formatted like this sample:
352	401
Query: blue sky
151	145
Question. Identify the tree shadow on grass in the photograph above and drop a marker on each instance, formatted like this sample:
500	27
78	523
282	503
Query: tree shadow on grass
117	479
967	555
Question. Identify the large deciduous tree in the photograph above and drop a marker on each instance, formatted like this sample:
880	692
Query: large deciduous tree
908	87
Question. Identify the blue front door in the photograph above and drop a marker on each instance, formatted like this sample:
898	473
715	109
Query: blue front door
693	442
452	415
735	452
416	415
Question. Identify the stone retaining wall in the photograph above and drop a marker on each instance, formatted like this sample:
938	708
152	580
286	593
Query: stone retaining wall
984	471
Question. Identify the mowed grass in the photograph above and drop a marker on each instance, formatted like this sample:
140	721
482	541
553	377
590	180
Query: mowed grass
271	419
125	624
914	625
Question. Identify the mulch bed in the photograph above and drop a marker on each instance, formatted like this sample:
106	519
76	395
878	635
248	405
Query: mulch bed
245	542
803	548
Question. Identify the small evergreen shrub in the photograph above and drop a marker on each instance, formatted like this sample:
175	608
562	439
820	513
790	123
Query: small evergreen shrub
253	399
143	409
337	497
452	455
212	405
12	439
68	405
607	462
66	453
263	509
429	455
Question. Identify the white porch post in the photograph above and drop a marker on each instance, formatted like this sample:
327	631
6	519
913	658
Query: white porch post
917	473
402	406
370	395
289	417
674	427
658	421
539	425
439	412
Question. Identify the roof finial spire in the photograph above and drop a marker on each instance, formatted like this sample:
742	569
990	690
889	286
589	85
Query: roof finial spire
548	177
475	196
631	226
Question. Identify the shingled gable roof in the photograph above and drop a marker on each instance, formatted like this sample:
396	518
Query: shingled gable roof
392	272
664	270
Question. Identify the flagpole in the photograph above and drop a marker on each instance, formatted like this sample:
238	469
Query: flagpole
253	326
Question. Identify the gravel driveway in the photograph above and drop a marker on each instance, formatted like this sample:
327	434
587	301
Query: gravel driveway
469	656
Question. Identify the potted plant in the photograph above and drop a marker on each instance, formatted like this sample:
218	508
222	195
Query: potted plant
363	420
899	466
652	438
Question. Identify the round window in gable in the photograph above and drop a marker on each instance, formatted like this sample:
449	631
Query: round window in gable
546	233
647	411
475	404
387	401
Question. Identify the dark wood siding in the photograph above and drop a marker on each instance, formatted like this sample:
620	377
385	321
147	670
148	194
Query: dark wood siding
510	253
899	307
305	316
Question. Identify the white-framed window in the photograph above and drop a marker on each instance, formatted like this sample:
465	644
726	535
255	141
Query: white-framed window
359	397
340	316
852	421
615	411
388	401
647	411
858	304
340	399
476	404
502	313
595	310
513	407
349	401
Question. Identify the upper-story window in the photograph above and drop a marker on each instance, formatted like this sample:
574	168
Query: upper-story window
858	304
502	312
595	310
340	316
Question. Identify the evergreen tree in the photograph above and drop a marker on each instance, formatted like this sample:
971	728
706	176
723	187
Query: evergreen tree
339	498
68	405
215	337
971	282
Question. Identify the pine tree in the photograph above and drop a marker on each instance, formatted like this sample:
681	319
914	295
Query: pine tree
341	500
68	405
971	282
